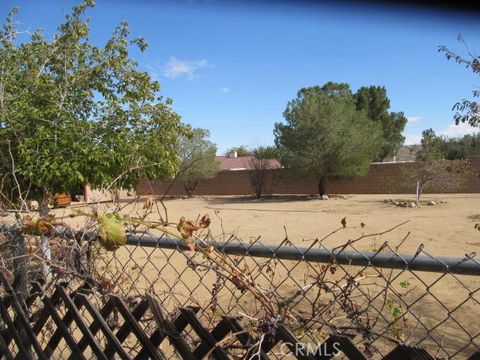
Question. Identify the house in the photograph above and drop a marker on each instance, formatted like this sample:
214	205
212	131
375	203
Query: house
405	153
232	162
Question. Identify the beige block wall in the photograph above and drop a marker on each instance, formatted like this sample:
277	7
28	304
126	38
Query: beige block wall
381	179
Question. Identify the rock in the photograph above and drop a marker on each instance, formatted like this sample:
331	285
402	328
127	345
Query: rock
396	203
386	201
412	205
325	197
431	203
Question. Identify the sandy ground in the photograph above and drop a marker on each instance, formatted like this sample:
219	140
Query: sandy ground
446	229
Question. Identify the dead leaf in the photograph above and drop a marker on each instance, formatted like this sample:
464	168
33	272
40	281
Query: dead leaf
40	226
148	204
188	227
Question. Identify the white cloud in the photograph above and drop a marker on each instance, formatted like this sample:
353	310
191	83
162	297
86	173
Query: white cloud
459	130
413	119
175	67
412	139
224	89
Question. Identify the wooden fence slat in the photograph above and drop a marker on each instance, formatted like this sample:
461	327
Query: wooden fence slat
4	350
67	319
405	352
219	332
136	329
325	350
7	337
72	344
75	315
103	326
268	344
166	328
244	338
57	336
204	335
346	346
23	350
300	352
105	312
177	341
25	324
475	356
126	328
179	323
43	315
175	328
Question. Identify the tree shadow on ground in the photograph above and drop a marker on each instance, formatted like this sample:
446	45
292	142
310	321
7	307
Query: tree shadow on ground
248	199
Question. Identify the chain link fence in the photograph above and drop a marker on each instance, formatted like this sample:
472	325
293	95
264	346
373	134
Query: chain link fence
379	298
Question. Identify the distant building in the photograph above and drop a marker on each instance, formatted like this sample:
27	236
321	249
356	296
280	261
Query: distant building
232	162
406	153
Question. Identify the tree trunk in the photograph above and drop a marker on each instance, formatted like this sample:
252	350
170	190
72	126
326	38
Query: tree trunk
188	191
322	186
259	183
190	188
419	192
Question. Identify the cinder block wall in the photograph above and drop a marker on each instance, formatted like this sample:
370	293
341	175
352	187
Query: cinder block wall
381	179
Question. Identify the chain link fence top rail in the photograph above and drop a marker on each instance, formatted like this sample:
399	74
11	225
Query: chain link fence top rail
381	298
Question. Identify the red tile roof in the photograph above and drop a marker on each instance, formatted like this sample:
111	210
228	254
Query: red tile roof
242	163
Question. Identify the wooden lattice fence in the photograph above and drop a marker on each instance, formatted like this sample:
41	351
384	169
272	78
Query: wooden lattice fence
21	329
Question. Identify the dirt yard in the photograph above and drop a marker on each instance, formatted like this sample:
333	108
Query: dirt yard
445	229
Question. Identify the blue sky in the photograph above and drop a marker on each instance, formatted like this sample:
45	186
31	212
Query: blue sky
232	68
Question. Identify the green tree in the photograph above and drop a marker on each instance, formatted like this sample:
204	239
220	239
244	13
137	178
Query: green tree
198	160
375	102
459	148
326	136
467	111
266	152
72	112
431	146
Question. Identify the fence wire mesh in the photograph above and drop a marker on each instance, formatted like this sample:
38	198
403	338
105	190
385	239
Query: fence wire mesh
378	304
